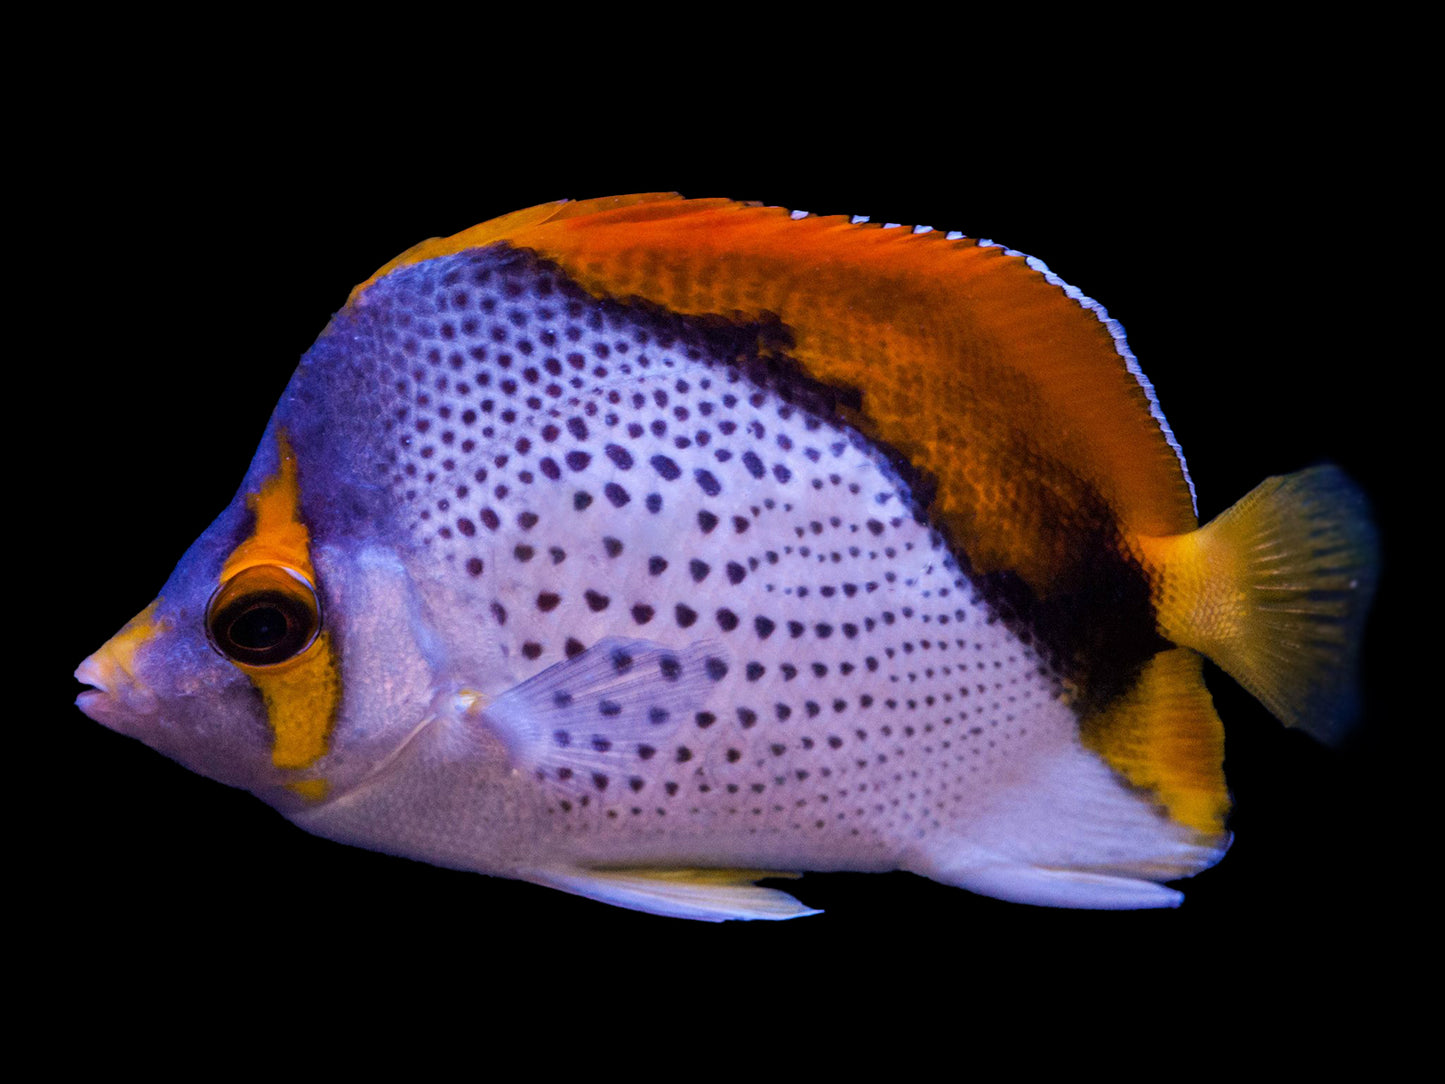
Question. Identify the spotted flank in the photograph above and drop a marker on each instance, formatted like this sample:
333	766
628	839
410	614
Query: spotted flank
649	548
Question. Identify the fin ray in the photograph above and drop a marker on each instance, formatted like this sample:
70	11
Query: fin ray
584	721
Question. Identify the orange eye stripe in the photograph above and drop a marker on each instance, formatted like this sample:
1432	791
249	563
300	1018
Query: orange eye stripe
302	695
279	537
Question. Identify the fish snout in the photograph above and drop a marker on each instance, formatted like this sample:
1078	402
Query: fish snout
118	693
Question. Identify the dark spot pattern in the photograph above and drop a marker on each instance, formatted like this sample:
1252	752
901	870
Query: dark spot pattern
590	470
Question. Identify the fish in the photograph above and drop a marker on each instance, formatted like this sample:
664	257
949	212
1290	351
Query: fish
649	548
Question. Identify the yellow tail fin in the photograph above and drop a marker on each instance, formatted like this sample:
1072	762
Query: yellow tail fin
1275	590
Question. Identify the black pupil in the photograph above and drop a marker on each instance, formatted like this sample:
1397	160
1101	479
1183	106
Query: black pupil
264	627
260	627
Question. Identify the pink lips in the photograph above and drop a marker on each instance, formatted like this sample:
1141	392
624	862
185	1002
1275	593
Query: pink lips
116	696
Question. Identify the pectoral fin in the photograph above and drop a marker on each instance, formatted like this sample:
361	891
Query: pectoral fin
594	721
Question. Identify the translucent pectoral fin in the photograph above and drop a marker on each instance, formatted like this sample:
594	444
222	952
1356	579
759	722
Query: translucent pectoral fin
595	720
708	895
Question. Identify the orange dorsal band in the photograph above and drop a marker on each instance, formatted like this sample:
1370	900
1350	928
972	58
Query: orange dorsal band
1010	392
985	375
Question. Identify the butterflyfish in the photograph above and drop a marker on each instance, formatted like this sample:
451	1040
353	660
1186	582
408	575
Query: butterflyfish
648	547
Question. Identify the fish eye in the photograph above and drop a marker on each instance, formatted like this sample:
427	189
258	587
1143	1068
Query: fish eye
263	616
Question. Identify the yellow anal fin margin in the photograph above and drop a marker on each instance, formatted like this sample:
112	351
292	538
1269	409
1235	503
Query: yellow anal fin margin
1276	590
1165	738
710	895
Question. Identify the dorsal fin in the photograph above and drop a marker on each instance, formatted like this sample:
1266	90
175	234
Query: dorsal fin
969	359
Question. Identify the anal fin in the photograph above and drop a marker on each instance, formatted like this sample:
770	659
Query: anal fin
1067	888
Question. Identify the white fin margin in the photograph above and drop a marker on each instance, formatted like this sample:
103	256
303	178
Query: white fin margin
1121	346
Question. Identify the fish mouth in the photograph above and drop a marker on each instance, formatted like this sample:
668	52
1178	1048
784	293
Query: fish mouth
117	692
94	699
102	708
115	696
91	698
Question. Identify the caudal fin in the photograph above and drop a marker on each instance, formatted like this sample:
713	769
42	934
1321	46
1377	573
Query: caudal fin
1275	590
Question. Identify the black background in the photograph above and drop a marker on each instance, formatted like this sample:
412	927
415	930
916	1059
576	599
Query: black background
1242	254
